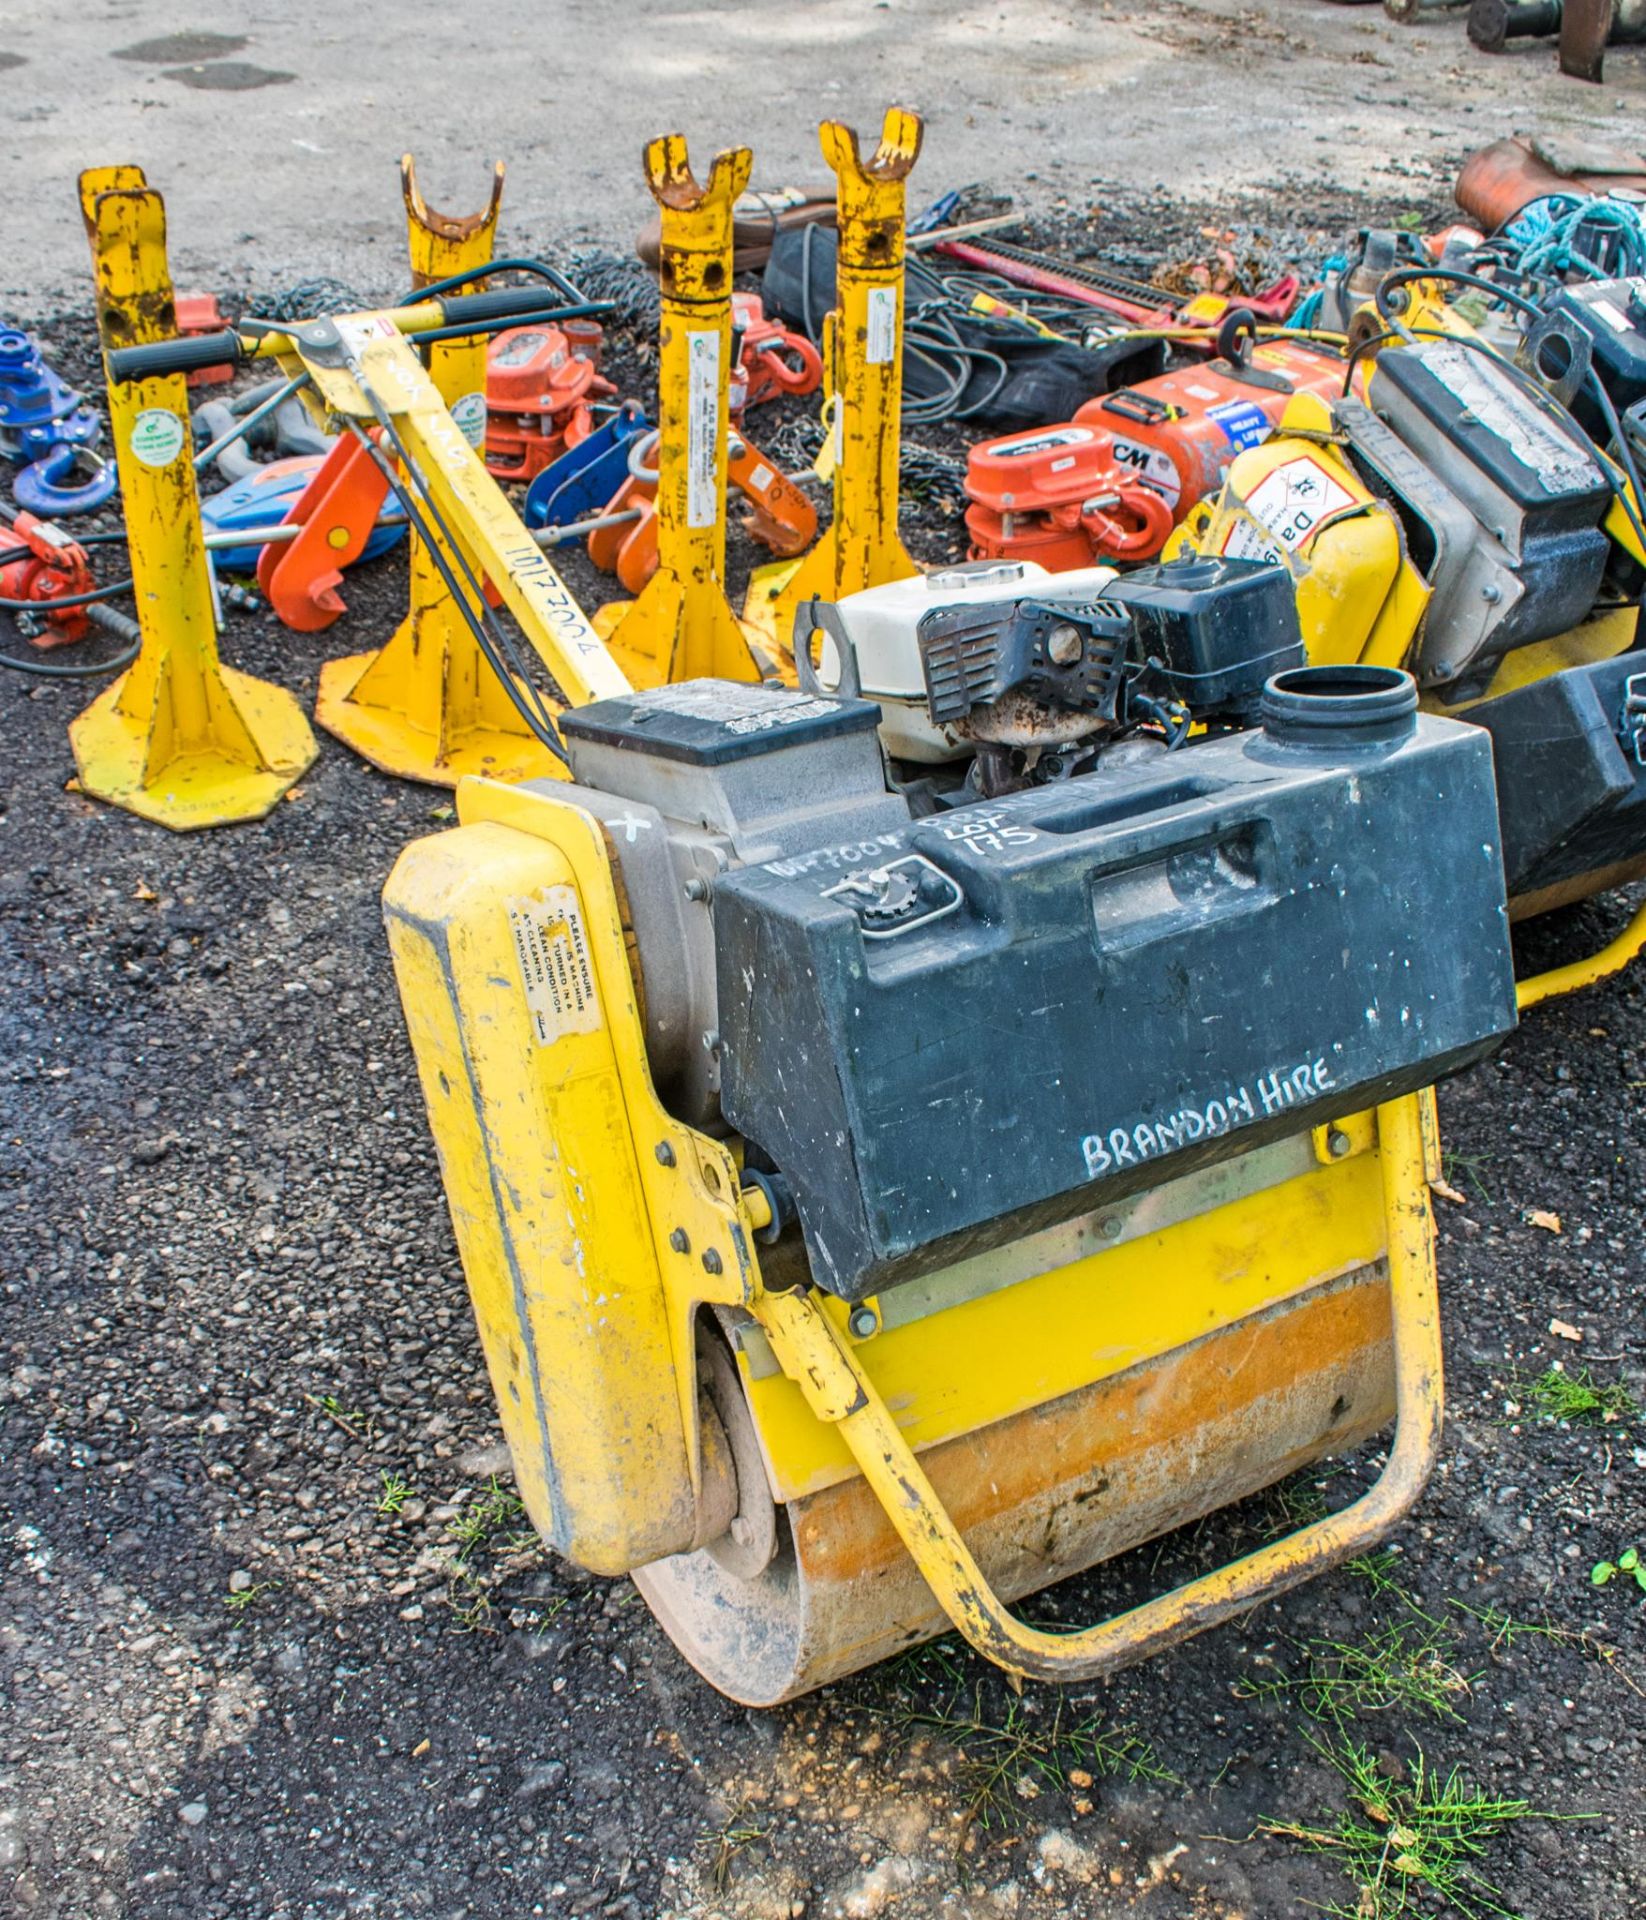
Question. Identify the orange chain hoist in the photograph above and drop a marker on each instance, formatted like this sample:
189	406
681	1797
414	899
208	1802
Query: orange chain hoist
1112	483
541	386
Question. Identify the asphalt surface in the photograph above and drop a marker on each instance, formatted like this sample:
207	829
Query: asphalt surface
275	133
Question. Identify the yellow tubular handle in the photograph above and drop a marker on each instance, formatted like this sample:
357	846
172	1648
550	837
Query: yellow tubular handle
1612	958
839	1391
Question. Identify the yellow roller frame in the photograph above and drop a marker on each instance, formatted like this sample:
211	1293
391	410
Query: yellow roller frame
179	738
863	376
681	627
427	706
813	1352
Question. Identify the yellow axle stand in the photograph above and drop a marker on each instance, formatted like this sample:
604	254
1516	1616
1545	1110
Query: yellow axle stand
428	706
179	738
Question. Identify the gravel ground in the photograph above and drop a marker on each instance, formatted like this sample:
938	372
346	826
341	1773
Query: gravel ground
273	1644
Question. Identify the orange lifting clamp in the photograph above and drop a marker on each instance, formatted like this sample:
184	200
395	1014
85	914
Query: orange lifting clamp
770	359
541	383
863	358
779	515
179	738
337	514
681	626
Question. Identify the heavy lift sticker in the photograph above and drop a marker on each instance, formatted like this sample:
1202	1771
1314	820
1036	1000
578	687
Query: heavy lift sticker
553	949
1276	1091
1290	503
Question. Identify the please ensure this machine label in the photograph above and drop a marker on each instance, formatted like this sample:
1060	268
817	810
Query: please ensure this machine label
702	426
552	946
1274	1092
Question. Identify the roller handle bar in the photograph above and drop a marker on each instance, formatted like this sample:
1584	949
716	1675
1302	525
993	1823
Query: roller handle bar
481	312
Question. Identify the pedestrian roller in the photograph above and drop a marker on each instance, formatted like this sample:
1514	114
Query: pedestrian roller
904	1151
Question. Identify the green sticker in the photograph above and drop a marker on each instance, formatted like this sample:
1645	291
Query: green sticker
470	414
157	436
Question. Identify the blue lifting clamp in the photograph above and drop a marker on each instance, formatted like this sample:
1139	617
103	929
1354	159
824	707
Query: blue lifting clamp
586	476
47	430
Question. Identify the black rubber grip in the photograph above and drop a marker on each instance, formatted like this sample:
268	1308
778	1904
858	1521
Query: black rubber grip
470	309
223	349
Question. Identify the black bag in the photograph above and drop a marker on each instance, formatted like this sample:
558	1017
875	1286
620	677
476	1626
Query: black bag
993	375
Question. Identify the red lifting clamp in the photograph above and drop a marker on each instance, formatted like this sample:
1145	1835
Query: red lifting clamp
337	512
540	385
770	360
1158	447
53	568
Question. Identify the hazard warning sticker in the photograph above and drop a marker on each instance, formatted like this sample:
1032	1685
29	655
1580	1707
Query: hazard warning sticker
552	946
1284	509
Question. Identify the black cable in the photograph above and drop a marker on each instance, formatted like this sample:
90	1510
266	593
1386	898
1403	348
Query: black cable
1405	275
539	268
543	317
495	645
1354	353
46	672
68	599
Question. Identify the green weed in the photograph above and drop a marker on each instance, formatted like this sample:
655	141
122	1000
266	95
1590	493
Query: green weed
353	1422
1466	1170
396	1492
1012	1759
241	1602
1578	1396
491	1520
1406	1664
734	1837
1402	1844
1628	1565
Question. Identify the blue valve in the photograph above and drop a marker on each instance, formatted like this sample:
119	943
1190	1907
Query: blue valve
45	425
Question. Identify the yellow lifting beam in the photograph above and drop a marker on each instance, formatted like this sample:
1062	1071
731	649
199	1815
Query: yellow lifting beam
179	738
428	706
681	627
863	376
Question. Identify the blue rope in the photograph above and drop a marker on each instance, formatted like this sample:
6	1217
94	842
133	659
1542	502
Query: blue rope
1561	237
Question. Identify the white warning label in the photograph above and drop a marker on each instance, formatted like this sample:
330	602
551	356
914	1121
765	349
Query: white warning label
1287	505
553	949
702	425
1156	469
881	329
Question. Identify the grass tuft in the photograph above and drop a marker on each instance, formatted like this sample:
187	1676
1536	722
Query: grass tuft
737	1835
1407	1845
492	1521
396	1492
1577	1397
1010	1758
1403	1665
